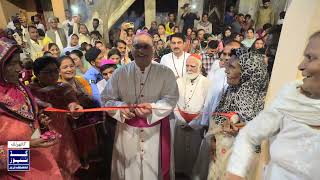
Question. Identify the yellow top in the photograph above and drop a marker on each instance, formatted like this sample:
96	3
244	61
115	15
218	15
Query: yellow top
168	30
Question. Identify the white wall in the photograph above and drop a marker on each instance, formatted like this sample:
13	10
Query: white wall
302	19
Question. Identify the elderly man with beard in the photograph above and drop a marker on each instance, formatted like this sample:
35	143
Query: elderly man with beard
147	92
193	88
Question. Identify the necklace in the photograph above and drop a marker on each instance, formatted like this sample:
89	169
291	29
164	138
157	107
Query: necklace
142	85
186	103
174	64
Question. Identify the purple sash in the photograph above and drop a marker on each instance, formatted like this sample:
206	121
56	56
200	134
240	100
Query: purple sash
164	141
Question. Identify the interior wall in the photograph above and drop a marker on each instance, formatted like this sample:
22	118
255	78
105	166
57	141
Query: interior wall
293	39
58	7
11	8
150	12
3	18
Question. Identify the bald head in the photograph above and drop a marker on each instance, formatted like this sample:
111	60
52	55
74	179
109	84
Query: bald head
144	38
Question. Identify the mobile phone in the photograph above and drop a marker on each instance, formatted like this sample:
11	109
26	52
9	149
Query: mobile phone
130	25
17	38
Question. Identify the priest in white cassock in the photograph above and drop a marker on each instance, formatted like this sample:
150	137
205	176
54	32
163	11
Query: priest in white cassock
176	60
193	89
149	90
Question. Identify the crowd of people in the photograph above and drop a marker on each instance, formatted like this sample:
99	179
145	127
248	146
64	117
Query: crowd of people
183	103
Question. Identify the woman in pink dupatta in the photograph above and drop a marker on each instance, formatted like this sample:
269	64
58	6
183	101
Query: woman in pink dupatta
18	120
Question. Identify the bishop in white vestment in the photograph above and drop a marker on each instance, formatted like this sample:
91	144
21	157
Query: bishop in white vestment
142	140
193	89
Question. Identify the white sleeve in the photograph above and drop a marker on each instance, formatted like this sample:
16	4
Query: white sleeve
169	97
268	123
41	26
75	29
177	114
210	28
265	125
163	61
110	97
196	123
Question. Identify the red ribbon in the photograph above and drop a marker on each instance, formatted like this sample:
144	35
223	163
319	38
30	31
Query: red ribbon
110	108
113	108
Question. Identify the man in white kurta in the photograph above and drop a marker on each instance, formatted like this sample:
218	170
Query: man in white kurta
193	89
176	60
151	86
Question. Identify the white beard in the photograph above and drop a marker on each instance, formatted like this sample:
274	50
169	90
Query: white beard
191	76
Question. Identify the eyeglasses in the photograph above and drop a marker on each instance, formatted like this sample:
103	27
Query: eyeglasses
142	46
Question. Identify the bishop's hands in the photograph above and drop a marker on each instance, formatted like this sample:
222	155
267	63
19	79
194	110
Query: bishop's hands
127	113
140	110
143	110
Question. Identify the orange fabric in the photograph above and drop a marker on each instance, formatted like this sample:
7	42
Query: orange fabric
85	84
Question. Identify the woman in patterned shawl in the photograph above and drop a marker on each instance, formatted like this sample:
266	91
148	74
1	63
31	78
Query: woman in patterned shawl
244	99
